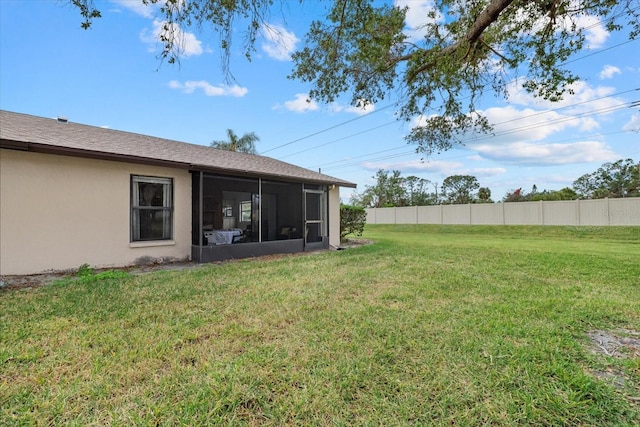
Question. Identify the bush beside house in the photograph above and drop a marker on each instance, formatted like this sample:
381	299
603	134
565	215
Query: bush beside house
352	220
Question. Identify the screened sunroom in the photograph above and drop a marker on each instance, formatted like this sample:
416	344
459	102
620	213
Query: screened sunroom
238	217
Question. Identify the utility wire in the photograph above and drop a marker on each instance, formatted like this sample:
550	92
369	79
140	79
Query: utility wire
534	125
340	139
406	153
393	104
377	110
495	125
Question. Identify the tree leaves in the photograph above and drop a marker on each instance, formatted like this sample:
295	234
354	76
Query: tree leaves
465	48
617	179
244	144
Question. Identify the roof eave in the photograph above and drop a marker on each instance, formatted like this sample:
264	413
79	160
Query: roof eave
101	155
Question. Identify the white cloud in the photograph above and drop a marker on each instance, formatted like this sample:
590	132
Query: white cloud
301	104
513	124
187	43
440	167
417	166
532	125
139	8
279	43
582	93
633	124
609	71
417	16
361	109
583	110
596	33
208	89
527	153
485	172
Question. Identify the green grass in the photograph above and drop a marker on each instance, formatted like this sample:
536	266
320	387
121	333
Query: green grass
431	325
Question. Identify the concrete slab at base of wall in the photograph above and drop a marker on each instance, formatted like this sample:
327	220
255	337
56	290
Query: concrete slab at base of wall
245	250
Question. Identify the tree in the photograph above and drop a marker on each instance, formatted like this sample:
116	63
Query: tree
617	179
386	192
465	47
459	189
244	144
535	196
565	193
417	191
484	195
391	189
514	196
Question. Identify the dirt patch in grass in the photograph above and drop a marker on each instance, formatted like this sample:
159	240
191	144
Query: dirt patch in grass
618	344
354	243
621	343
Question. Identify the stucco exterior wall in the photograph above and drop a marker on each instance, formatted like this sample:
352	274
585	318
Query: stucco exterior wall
334	216
58	212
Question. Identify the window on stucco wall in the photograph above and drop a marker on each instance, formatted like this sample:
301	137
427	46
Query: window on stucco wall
151	208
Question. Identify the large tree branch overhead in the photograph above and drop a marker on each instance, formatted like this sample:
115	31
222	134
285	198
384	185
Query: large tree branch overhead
487	17
365	50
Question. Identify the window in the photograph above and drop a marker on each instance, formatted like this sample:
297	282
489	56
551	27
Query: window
245	211
151	208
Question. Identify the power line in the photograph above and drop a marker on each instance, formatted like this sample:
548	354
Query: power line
392	156
364	155
377	110
527	127
598	52
393	104
619	106
339	139
559	120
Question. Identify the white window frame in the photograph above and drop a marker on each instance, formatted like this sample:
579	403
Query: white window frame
245	214
166	208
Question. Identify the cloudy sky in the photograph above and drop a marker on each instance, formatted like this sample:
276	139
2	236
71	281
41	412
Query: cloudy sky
110	76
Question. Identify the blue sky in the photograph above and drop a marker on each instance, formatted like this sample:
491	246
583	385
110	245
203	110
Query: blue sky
110	76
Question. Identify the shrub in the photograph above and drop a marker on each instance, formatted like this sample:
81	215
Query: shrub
352	220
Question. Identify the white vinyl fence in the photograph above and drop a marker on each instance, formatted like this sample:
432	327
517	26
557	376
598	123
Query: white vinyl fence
625	211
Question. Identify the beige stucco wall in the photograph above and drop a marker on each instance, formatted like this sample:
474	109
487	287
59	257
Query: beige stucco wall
334	216
58	212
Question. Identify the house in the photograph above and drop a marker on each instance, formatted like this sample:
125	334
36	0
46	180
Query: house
72	194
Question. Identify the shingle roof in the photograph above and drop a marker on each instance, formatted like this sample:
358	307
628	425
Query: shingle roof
22	131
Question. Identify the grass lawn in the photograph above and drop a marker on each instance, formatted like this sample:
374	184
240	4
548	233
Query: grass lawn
431	325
